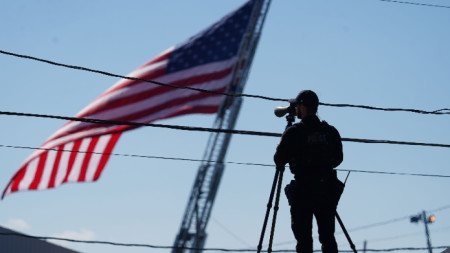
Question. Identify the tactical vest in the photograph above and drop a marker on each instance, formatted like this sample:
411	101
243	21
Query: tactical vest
315	154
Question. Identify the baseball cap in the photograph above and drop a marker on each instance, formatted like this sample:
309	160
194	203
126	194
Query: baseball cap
306	97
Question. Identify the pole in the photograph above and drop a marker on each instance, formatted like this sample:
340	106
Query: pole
192	233
427	233
352	245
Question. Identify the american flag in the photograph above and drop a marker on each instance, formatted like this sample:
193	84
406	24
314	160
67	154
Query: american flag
81	150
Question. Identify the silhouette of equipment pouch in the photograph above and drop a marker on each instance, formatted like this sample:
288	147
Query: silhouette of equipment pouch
289	190
337	187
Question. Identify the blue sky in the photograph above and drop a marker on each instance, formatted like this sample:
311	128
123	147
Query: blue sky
367	52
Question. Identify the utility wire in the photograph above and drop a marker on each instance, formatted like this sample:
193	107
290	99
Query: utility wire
137	79
189	248
419	4
205	129
390	238
436	112
377	224
238	238
212	161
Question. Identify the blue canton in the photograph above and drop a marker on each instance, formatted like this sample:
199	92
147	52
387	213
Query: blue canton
219	42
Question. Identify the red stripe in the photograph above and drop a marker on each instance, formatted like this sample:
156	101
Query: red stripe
39	171
191	110
18	178
132	99
122	101
73	155
87	158
147	76
51	183
185	110
109	148
148	111
128	82
161	57
172	103
145	95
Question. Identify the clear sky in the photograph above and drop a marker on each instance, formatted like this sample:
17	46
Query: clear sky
367	52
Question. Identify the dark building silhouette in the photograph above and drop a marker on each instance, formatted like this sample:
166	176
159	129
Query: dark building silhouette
20	244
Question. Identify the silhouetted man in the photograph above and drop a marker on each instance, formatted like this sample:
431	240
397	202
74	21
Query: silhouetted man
313	148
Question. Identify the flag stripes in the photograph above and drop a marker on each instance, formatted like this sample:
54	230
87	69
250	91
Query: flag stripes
52	168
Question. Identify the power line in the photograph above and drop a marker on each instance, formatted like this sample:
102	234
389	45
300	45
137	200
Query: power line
238	238
189	248
435	112
205	129
419	4
438	112
137	79
395	173
212	161
377	224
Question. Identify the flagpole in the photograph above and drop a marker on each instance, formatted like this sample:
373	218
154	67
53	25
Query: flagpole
192	233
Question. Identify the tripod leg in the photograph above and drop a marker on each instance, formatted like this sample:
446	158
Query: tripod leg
269	206
275	211
346	233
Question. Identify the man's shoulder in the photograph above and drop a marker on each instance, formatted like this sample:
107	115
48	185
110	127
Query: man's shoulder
295	129
332	131
327	125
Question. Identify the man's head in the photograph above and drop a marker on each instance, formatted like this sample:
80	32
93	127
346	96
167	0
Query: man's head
306	103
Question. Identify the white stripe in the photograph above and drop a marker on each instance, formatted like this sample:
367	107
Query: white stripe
138	72
48	168
207	101
142	71
199	70
153	101
141	87
95	158
133	73
157	100
63	164
78	135
76	168
29	174
126	91
8	191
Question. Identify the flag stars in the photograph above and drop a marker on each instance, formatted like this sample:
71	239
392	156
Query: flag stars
220	42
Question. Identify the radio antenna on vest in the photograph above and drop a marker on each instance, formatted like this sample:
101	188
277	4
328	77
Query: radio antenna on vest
347	177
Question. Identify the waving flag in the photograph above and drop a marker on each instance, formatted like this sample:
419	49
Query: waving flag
80	151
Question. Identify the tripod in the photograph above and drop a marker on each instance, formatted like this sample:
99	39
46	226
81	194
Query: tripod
277	182
277	179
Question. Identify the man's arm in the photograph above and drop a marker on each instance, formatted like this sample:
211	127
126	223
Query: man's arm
336	142
285	149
